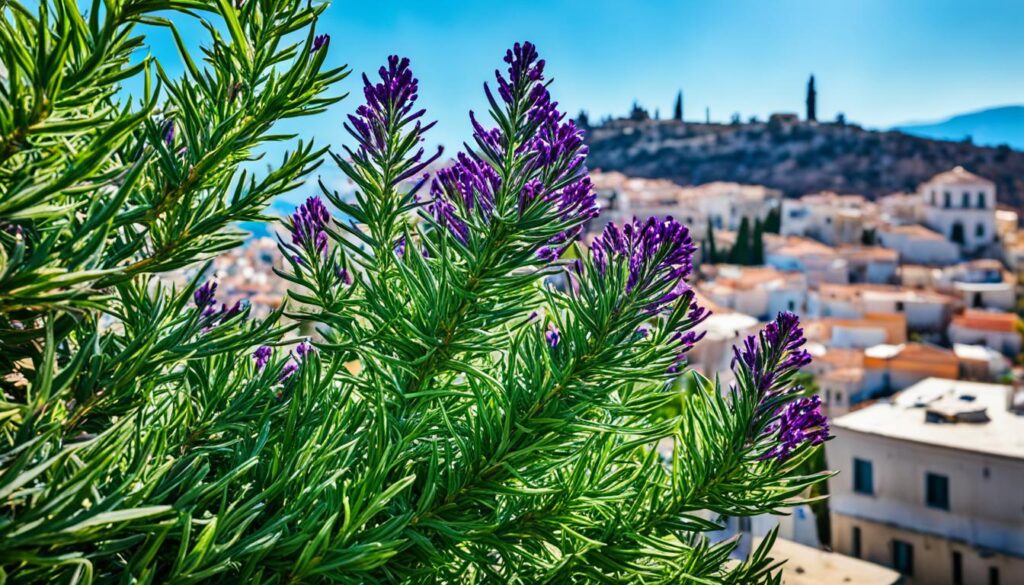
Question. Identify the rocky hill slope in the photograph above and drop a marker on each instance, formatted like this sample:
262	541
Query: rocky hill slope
796	157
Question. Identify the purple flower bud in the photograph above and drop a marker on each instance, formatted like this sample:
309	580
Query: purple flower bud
226	312
553	335
205	296
343	275
320	41
309	225
800	421
288	371
524	70
303	349
261	356
685	342
169	132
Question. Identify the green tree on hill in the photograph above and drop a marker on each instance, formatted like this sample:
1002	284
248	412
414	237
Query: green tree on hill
757	244
742	252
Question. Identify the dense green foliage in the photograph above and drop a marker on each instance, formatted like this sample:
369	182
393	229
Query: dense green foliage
439	432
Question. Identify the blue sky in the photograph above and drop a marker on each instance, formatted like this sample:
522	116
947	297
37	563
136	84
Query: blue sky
881	62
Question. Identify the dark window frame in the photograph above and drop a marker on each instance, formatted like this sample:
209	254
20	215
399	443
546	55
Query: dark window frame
936	491
863	477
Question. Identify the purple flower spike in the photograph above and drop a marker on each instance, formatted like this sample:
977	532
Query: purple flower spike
389	105
801	421
205	297
524	69
320	41
309	225
303	349
773	354
656	254
226	312
764	364
261	356
553	335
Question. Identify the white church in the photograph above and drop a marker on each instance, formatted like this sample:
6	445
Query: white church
962	207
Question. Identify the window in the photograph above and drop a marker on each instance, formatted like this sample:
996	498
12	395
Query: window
903	557
993	576
863	482
958	568
981	200
936	491
899	306
980	230
965	202
856	542
839	398
948	199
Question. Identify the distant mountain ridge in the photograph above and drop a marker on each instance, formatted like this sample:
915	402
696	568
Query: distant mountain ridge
988	127
795	156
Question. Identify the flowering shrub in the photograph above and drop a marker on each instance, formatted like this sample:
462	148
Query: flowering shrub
456	419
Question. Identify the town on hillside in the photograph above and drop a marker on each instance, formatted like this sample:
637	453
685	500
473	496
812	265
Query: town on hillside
911	306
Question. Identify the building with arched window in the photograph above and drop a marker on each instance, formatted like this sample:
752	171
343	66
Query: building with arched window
962	207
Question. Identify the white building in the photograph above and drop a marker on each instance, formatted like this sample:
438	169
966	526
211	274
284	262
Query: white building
929	483
828	217
962	207
924	310
917	244
980	284
759	291
873	264
818	262
723	205
997	330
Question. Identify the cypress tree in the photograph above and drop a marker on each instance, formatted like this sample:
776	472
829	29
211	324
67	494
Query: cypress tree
677	113
741	253
712	255
757	254
773	221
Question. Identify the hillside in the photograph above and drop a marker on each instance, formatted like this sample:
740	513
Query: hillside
991	127
797	158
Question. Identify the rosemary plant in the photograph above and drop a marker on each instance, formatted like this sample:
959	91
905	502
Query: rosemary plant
457	418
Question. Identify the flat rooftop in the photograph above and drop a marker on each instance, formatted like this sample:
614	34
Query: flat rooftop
904	417
806	565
